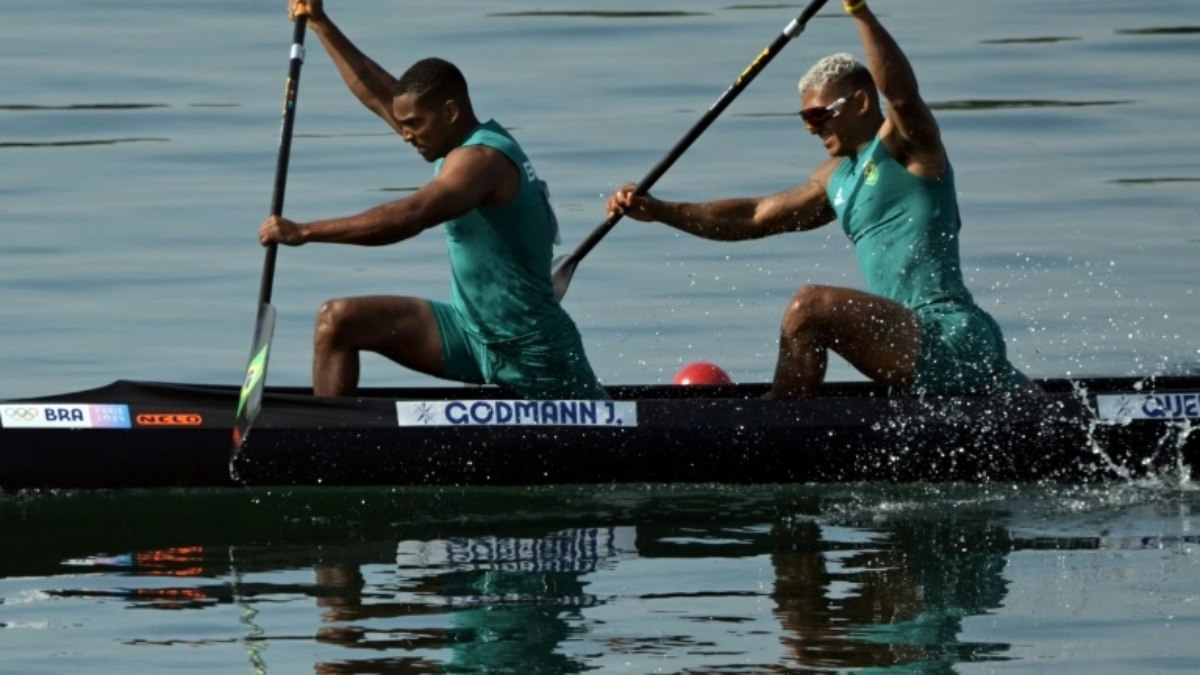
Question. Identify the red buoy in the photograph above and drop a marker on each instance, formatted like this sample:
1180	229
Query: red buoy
702	372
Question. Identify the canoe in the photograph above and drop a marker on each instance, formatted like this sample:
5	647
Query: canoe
156	434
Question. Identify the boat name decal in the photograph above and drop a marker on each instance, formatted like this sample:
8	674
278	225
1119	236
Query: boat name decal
64	416
555	413
1172	406
163	419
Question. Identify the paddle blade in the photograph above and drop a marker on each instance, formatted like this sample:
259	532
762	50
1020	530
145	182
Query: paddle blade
564	269
250	400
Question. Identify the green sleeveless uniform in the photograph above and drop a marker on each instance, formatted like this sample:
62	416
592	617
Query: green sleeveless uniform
503	323
905	234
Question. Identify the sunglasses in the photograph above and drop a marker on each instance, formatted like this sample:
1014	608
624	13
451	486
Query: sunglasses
815	117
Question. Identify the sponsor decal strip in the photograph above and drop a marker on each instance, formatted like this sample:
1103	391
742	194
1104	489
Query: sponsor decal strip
169	419
64	416
1160	406
555	413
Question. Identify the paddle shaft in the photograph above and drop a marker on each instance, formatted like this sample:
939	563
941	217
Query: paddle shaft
285	150
567	265
250	400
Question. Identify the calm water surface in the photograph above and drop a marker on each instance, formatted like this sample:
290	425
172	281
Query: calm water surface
639	579
138	141
137	149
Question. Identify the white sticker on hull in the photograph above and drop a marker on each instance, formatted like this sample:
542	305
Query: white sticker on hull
64	416
1161	406
561	413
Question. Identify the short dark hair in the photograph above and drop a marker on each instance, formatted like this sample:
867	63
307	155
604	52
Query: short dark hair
430	75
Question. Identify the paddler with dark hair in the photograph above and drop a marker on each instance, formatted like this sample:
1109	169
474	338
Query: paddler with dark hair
888	180
503	323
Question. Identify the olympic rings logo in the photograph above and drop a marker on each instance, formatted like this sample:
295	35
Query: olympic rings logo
22	414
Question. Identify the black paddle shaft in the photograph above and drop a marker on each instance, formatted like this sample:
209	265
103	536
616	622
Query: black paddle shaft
250	399
285	150
756	66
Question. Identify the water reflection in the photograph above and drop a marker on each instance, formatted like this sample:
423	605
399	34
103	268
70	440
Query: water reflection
765	579
849	597
496	604
844	597
841	597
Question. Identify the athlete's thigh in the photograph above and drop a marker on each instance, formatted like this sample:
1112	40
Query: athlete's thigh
402	329
880	337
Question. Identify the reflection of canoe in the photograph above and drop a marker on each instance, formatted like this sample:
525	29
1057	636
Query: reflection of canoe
157	434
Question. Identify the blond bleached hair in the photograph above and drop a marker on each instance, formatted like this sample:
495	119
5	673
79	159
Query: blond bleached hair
832	68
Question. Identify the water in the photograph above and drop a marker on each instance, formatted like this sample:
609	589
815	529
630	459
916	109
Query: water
137	150
916	579
138	141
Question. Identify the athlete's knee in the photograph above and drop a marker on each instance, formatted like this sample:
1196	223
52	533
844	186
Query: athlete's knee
332	319
809	310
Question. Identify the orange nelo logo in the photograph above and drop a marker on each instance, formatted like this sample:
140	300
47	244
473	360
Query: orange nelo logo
169	419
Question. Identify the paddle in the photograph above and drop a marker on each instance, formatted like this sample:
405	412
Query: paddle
250	401
564	265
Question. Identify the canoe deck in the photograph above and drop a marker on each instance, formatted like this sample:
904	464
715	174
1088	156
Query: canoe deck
147	434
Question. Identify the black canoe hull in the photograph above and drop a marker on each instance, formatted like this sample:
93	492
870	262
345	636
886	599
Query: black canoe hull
180	435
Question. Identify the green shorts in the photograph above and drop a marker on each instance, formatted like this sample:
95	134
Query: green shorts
550	365
962	353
